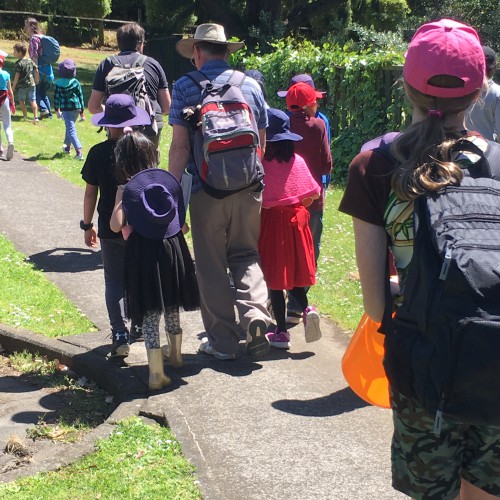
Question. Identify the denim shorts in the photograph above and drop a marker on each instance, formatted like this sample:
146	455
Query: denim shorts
26	94
430	467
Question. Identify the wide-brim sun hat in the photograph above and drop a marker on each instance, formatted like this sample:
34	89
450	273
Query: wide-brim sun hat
120	111
445	47
153	204
209	32
278	128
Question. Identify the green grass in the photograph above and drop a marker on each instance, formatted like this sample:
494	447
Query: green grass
42	142
337	293
138	461
28	300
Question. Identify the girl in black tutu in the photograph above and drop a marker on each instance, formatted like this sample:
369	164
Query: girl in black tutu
159	271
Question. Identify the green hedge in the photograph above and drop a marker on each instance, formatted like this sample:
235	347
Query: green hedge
359	104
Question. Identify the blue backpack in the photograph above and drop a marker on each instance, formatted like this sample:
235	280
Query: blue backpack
50	50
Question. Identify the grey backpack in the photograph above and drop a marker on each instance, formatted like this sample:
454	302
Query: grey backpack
226	140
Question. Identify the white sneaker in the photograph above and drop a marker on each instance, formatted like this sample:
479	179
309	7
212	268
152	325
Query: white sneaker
206	348
10	152
311	324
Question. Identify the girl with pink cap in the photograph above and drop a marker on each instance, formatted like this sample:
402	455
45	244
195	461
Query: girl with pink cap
443	74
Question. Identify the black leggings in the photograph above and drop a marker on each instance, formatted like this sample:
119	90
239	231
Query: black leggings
278	303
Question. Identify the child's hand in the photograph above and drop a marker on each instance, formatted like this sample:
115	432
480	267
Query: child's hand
307	201
82	116
59	114
185	228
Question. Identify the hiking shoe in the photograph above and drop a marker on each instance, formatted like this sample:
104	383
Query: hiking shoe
121	345
45	114
293	317
10	152
206	348
79	157
136	334
257	343
66	149
311	324
36	120
278	339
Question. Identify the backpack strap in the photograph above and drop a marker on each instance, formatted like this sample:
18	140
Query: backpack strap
236	79
199	78
140	61
489	167
115	61
493	156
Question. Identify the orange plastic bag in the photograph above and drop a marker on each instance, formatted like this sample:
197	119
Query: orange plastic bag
362	364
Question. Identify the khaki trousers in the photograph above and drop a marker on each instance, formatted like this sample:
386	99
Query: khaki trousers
225	235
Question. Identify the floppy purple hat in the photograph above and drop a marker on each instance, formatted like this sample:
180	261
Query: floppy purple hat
153	204
121	111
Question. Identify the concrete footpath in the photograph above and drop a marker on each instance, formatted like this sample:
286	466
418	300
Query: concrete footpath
283	427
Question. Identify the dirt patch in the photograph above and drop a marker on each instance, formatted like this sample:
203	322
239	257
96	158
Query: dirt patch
44	409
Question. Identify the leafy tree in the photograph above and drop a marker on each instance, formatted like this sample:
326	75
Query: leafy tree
484	15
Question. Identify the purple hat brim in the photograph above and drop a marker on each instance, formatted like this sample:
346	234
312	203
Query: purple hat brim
282	93
134	208
142	118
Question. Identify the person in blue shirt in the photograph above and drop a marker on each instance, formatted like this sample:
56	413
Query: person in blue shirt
225	231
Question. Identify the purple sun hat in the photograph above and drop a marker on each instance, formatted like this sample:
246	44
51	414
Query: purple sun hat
153	204
120	111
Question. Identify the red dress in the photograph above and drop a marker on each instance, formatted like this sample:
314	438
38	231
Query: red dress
285	243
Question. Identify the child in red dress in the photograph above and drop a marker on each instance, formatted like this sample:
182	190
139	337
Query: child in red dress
285	243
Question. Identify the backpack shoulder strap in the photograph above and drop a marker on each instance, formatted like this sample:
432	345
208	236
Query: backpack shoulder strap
237	78
493	156
140	61
199	78
115	61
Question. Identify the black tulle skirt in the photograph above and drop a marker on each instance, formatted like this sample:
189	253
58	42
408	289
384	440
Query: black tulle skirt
159	274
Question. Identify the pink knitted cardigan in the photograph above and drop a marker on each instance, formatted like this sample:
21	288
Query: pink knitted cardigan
287	183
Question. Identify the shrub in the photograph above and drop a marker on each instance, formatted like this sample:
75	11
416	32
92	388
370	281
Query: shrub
359	104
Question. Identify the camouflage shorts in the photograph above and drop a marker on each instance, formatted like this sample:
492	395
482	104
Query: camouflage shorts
426	466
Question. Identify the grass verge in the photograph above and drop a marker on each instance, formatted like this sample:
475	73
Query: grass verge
28	300
138	461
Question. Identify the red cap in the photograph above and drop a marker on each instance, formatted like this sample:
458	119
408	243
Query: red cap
301	95
445	47
2	59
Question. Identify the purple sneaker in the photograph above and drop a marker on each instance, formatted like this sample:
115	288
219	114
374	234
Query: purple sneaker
278	339
311	324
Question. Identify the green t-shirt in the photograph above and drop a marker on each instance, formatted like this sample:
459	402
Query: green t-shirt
25	69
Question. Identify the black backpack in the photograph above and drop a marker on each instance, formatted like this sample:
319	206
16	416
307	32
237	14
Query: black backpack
130	79
443	346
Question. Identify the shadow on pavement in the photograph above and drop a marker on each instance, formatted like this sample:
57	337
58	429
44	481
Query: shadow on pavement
337	403
67	260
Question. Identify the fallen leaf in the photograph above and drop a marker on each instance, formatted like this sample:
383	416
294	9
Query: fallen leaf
139	454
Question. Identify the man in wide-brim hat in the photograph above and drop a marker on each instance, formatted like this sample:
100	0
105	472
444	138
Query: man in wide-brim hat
225	231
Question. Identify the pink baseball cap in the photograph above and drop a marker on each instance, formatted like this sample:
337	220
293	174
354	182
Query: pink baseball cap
445	47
